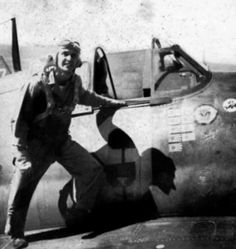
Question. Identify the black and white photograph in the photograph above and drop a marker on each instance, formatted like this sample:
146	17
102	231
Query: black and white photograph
118	124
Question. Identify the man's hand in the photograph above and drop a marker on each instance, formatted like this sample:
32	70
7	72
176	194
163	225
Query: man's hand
118	103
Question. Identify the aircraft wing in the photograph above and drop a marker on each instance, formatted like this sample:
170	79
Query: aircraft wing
168	233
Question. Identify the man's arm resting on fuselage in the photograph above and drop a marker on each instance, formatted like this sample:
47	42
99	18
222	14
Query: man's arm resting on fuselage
90	98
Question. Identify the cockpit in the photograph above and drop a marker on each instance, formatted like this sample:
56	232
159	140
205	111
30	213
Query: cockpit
147	74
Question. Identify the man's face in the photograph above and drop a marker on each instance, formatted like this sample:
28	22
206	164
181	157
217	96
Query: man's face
67	60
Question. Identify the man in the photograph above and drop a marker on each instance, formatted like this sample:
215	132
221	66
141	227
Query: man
42	137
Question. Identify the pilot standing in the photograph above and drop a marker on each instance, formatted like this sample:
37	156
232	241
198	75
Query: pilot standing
42	137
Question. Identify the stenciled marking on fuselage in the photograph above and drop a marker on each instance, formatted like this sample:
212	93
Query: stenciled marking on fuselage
180	128
205	114
229	105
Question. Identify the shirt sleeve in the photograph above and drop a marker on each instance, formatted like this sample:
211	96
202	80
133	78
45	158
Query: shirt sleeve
90	98
25	112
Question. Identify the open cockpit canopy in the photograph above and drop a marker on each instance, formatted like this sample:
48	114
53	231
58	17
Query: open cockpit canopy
155	72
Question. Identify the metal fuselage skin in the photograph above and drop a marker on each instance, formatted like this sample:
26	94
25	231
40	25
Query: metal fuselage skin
182	150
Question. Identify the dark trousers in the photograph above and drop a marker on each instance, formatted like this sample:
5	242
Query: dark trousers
30	166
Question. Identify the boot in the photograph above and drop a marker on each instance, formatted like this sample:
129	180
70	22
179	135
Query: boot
19	243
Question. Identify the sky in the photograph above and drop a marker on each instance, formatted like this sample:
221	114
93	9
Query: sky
204	28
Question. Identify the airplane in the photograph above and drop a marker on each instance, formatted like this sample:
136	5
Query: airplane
169	156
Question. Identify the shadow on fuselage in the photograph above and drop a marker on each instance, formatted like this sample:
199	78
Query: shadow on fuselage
111	215
118	214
